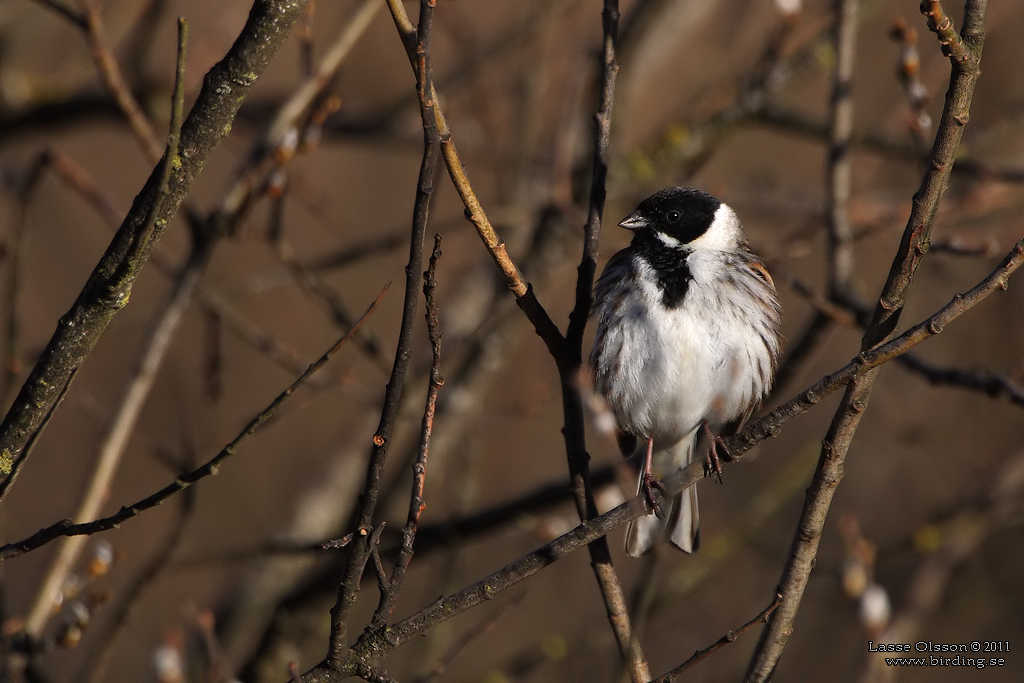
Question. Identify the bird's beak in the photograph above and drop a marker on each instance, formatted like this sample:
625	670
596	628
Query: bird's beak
633	221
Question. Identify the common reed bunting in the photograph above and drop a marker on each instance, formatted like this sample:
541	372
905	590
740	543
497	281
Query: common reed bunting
686	348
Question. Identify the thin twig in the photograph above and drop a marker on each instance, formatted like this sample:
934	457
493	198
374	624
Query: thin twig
377	643
419	468
730	637
359	550
68	528
966	57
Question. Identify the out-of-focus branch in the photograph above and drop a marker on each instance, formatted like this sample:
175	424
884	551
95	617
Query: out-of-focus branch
851	313
114	83
68	528
311	89
312	284
68	13
95	665
838	168
966	58
838	175
992	384
959	541
11	362
377	643
134	398
359	550
909	72
110	285
800	123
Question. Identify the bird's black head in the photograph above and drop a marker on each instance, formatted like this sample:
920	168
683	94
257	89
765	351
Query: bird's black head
675	216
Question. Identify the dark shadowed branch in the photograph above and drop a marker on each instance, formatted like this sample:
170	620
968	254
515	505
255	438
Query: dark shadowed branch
359	550
389	593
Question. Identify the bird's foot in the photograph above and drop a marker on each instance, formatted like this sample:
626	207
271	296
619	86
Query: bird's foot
650	483
716	445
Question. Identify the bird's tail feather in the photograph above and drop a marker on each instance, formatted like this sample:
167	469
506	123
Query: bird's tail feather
680	519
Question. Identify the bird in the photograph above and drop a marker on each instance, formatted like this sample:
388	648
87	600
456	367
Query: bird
686	346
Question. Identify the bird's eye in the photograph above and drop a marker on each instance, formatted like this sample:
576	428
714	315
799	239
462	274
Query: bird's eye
673	216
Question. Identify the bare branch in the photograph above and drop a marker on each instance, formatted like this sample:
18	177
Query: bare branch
419	468
68	528
359	550
377	643
110	285
964	74
730	637
114	83
68	13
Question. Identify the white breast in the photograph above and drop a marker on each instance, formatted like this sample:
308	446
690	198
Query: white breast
664	371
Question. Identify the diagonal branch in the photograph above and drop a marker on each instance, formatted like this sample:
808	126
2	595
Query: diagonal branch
110	284
730	637
964	75
495	245
114	83
68	528
376	643
134	398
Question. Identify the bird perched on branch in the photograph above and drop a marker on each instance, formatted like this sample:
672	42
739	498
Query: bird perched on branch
686	348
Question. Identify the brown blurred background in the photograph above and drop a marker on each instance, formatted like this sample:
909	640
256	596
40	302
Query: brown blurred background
517	83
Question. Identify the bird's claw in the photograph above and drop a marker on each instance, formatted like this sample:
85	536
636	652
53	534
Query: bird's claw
713	464
647	487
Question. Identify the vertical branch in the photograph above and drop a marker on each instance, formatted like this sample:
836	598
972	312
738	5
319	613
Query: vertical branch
359	550
419	469
599	175
839	168
567	354
965	56
570	359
